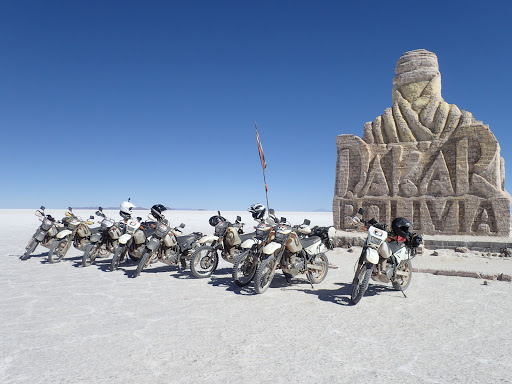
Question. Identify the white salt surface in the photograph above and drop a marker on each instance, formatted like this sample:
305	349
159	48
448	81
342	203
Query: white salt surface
62	323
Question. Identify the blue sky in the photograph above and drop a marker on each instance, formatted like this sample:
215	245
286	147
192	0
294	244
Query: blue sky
156	100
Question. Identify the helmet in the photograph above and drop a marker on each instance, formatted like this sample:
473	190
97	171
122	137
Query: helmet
214	220
401	227
257	210
156	211
125	210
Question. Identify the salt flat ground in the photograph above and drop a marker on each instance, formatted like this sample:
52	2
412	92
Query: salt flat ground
62	323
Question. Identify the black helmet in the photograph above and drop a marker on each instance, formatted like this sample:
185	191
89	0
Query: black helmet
401	227
156	211
257	210
214	220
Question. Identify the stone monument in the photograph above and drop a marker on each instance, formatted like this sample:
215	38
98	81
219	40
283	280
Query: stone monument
423	159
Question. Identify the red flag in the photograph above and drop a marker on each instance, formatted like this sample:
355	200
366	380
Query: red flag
260	150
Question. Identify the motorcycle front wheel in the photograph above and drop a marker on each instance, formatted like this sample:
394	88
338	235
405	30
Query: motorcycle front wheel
144	260
58	250
30	248
265	274
403	276
317	275
204	261
119	256
244	268
360	282
90	254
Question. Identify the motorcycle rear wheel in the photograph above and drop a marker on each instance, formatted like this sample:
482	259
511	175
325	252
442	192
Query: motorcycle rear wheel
265	274
204	261
30	248
403	281
90	254
142	264
317	276
119	256
58	250
244	268
360	282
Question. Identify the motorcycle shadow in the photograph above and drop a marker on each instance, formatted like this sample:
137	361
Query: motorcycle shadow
342	295
279	281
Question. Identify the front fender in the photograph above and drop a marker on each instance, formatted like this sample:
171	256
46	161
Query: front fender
96	237
371	255
270	248
63	234
207	239
153	244
40	235
247	244
125	238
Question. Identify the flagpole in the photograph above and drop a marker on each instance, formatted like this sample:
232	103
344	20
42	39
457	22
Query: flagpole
263	165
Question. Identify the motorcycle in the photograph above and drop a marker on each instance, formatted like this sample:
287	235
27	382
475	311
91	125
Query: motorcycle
133	242
247	262
293	255
385	258
105	241
45	234
76	233
169	246
227	238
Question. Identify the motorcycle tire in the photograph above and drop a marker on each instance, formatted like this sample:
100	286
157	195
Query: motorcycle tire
30	248
316	276
144	260
360	282
204	261
119	256
244	268
58	250
402	282
264	274
90	254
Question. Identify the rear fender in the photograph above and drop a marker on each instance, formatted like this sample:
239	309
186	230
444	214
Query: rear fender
63	234
270	248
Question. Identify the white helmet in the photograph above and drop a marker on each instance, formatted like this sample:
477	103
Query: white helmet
125	210
257	210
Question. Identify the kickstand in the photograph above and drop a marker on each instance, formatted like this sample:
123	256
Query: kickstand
309	279
401	290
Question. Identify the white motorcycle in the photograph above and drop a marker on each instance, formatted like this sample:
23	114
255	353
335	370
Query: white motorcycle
77	233
386	257
293	254
133	242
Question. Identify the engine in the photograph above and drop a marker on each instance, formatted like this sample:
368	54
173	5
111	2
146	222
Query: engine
171	255
296	265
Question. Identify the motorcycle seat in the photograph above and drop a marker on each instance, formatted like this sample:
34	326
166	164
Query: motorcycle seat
247	236
308	241
94	230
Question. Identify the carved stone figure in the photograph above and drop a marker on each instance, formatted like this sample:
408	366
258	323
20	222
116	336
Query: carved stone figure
423	159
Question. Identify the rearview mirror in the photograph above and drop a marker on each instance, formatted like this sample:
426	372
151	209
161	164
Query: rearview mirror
307	222
39	213
283	219
100	209
98	213
70	209
182	225
361	211
42	207
139	218
238	218
271	211
91	217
